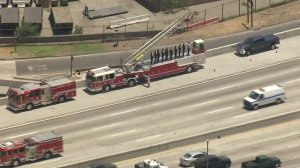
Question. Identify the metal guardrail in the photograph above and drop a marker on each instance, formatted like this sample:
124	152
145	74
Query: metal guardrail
129	21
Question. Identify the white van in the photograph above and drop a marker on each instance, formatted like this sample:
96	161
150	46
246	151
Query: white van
264	96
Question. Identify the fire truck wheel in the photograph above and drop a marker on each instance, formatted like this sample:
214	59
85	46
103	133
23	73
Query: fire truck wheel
47	156
16	163
106	88
131	83
29	107
189	69
61	99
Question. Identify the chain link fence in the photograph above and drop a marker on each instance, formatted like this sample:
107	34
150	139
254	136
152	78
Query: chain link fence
224	11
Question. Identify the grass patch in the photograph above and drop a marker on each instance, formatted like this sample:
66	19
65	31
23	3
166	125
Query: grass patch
24	51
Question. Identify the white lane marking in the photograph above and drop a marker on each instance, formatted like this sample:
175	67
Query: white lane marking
244	115
215	90
285	136
200	104
219	110
292	81
149	95
3	97
47	161
123	133
12	137
150	137
106	126
123	112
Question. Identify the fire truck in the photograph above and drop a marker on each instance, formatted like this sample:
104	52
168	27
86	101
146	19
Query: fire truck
41	146
135	70
36	94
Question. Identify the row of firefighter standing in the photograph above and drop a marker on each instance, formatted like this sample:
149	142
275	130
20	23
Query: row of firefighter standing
167	53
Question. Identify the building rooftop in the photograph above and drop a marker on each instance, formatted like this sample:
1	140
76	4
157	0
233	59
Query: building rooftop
33	15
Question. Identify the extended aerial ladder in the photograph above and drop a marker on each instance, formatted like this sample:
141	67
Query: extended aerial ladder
138	55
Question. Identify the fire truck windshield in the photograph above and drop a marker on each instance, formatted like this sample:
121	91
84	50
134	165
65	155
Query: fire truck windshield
12	96
90	77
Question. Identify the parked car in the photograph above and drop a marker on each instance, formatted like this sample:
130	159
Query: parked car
257	43
189	158
214	162
102	165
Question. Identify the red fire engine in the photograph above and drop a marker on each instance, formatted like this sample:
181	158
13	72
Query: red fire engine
135	70
40	146
46	92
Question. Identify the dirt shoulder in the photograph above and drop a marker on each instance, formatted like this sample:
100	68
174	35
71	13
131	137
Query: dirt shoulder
272	16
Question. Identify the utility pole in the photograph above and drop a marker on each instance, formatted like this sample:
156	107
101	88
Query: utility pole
207	142
251	5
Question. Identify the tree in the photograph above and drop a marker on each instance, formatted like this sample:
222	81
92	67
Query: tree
78	30
27	30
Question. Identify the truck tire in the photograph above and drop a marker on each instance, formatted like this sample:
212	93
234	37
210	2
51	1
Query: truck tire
106	88
61	99
189	69
248	52
29	107
15	163
255	107
48	155
131	83
273	46
278	101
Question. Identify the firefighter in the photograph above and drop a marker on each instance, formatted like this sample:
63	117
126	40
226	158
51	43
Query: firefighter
151	57
171	53
162	55
175	51
183	49
179	50
188	48
166	53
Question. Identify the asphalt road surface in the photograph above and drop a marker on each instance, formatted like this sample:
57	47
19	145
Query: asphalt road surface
62	64
175	115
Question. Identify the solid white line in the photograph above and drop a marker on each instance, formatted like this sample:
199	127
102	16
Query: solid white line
292	81
148	95
285	136
286	31
12	137
3	98
244	115
47	161
200	104
123	112
215	90
223	109
107	126
150	137
123	133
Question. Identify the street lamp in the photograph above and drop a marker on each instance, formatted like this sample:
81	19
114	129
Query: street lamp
116	35
207	142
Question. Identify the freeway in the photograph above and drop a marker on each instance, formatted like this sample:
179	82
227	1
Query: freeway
62	64
165	117
281	140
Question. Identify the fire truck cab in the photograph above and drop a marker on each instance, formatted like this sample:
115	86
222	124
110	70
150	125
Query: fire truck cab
198	46
106	78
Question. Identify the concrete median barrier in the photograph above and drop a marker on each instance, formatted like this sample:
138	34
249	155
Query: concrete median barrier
214	134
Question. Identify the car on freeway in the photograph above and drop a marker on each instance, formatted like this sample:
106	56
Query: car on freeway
189	158
214	162
102	165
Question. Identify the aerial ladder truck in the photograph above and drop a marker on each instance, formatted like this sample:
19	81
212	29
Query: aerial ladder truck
135	70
